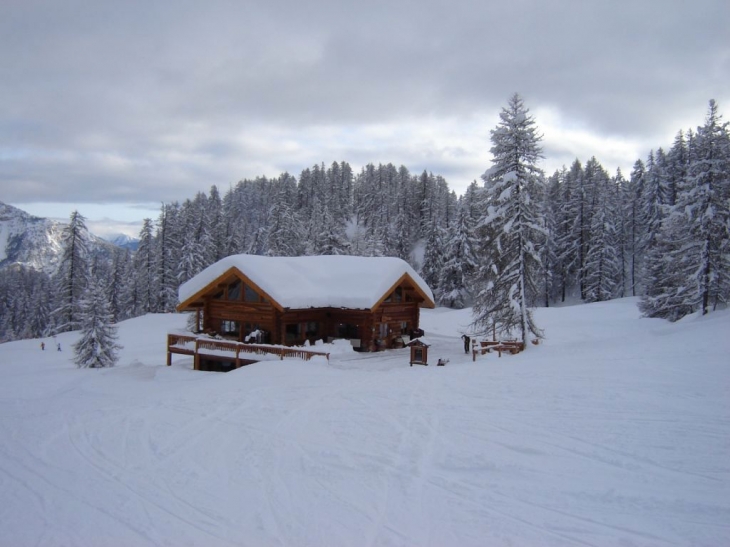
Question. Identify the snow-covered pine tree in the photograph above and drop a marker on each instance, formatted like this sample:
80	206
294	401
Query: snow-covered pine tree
707	201
571	231
193	251
97	347
433	259
619	187
216	226
167	253
650	202
328	236
285	231
144	266
510	262
677	165
72	275
689	267
459	263
402	233
634	226
553	275
603	266
374	238
667	291
117	284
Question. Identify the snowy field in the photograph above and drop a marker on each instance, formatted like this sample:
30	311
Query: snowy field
615	431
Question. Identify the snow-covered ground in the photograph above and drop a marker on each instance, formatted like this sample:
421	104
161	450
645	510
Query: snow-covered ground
615	431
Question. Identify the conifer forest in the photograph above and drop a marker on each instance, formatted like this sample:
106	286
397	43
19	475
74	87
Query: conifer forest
517	238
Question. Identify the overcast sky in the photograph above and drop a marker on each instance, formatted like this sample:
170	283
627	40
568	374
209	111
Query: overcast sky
125	104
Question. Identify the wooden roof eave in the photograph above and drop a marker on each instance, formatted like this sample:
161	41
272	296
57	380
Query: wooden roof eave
190	302
427	302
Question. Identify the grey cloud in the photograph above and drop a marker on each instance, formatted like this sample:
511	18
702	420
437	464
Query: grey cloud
166	87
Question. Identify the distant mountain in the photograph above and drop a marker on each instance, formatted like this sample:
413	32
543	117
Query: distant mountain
124	241
35	242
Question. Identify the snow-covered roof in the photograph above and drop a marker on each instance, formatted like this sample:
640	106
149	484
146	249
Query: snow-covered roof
353	282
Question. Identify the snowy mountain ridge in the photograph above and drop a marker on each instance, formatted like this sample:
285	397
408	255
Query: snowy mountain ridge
35	242
124	241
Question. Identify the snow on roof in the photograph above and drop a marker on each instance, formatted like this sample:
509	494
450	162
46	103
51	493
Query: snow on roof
423	340
353	282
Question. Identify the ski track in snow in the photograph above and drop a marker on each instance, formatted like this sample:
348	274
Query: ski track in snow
615	431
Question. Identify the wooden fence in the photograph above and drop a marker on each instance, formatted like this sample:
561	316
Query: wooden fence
226	349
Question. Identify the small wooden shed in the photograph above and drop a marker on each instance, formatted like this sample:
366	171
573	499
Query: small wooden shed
419	351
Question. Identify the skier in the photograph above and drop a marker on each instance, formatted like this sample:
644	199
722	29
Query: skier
59	346
467	342
43	346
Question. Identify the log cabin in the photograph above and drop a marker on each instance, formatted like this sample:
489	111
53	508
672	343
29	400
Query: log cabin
372	301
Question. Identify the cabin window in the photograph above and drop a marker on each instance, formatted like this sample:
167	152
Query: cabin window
292	332
383	330
218	296
230	328
312	328
404	326
248	328
250	295
234	290
347	330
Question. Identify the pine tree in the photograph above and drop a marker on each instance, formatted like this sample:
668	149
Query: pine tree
459	264
510	268
97	347
570	229
552	266
167	253
117	284
433	259
707	199
333	238
285	231
603	267
145	274
619	187
634	226
668	292
688	268
677	166
73	274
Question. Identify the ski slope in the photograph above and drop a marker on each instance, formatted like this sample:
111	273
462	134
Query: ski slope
615	431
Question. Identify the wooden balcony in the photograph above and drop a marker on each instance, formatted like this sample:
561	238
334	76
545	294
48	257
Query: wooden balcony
227	350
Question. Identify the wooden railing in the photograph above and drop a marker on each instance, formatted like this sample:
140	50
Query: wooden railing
196	346
485	346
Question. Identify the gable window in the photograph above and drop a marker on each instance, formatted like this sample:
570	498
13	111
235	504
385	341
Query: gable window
398	295
250	295
234	290
395	296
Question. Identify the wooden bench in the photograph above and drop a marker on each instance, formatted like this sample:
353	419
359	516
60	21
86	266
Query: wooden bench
485	346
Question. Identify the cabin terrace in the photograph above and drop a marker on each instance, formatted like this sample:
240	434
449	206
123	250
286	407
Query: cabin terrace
372	301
